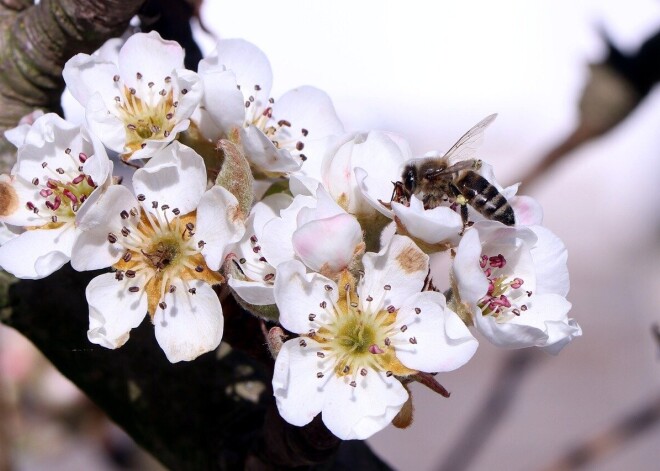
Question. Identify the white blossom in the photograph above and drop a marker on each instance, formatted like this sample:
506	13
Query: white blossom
140	103
58	169
360	171
514	281
314	230
278	136
165	244
356	342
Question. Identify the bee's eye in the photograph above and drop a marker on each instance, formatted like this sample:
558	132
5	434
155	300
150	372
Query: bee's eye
410	179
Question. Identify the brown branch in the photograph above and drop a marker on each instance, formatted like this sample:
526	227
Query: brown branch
500	397
628	428
208	414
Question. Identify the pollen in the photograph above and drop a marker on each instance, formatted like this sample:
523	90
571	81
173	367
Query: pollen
412	260
8	199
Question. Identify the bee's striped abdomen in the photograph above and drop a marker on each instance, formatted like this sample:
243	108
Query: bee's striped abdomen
485	198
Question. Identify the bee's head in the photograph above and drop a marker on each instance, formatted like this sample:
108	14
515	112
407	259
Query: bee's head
409	178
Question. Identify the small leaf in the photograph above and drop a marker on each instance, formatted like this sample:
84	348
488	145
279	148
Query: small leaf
236	175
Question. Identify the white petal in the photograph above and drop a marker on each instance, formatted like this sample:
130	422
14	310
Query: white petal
401	266
359	412
98	165
376	153
150	55
176	176
444	342
16	210
113	310
433	226
37	253
328	244
191	324
300	184
550	258
267	209
249	64
107	126
8	232
87	75
261	152
295	384
369	188
191	82
47	141
223	102
255	292
470	278
277	246
309	108
218	224
324	207
561	334
527	210
17	135
532	328
95	221
313	123
298	295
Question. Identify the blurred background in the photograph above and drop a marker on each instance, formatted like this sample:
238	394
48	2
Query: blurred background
429	72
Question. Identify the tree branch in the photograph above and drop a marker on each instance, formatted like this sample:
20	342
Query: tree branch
215	413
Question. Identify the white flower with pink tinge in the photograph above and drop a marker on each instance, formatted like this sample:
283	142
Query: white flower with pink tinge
357	340
514	281
165	244
314	230
139	104
278	136
57	173
360	171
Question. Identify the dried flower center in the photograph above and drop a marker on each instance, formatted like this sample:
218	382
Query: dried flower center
165	251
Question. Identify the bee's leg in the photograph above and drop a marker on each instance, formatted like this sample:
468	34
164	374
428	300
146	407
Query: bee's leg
464	213
395	191
463	202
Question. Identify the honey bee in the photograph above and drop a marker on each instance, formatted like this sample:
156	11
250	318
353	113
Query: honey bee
453	177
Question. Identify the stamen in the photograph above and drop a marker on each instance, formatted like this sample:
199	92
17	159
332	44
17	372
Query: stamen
375	349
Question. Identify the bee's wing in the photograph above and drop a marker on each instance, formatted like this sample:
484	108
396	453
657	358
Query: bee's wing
467	145
457	167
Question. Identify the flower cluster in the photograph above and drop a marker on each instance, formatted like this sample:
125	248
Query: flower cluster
187	183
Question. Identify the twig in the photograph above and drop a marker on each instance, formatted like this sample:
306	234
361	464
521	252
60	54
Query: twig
621	433
500	397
